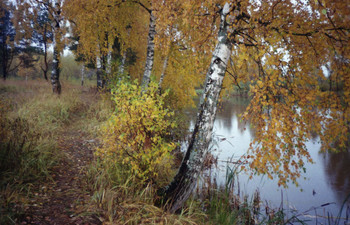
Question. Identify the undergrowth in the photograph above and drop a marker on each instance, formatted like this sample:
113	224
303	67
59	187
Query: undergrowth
30	121
120	199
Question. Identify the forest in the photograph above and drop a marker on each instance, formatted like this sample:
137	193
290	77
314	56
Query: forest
95	100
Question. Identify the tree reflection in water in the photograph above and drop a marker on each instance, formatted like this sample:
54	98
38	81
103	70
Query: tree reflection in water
229	111
337	170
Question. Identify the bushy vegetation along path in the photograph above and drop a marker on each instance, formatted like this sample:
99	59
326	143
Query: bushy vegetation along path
65	200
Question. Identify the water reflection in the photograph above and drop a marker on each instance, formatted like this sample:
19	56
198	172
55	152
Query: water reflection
328	180
337	170
228	115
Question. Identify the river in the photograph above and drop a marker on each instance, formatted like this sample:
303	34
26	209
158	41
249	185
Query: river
325	181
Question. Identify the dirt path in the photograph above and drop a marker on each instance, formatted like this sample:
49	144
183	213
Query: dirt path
65	200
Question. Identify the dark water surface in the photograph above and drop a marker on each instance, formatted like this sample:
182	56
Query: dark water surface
325	181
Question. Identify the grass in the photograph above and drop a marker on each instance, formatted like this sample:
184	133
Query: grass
31	118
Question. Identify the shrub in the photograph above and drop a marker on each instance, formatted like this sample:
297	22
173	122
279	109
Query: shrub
135	134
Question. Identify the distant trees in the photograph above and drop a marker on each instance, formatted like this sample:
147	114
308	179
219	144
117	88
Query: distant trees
8	50
43	35
40	22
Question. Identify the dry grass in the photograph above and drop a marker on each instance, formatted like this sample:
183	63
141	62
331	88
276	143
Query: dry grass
31	118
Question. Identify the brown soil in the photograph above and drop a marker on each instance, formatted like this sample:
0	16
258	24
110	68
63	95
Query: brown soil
65	200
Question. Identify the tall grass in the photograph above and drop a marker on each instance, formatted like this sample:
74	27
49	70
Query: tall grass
120	199
31	120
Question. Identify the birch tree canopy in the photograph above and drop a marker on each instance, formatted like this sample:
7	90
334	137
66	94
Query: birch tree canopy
281	49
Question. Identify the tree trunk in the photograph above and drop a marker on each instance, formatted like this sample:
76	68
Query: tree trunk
122	64
178	191
55	74
99	73
82	74
4	72
46	68
109	61
150	51
4	58
165	65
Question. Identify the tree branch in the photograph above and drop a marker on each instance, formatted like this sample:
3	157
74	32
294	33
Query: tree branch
143	6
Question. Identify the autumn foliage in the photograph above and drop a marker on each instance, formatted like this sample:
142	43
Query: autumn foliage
135	135
291	57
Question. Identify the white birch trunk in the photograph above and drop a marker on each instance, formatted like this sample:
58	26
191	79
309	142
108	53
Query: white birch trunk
99	73
122	64
150	52
165	65
178	191
55	74
109	60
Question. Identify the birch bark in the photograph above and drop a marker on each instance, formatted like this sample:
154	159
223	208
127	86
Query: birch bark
165	65
150	51
45	69
99	73
109	60
122	64
178	191
55	74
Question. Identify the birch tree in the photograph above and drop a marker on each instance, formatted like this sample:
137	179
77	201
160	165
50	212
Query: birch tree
55	73
98	24
54	8
150	47
286	41
182	185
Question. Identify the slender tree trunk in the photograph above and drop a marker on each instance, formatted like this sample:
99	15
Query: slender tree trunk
4	72
46	67
82	74
55	74
4	58
122	64
150	51
4	62
99	73
109	61
165	65
178	191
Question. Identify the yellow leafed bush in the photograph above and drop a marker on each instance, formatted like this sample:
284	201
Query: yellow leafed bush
134	136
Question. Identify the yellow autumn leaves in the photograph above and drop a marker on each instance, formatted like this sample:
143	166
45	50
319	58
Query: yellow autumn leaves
135	135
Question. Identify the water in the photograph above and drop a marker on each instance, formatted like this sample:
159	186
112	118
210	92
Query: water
325	181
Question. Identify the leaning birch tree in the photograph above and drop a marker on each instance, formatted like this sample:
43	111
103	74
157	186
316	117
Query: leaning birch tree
182	185
287	42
